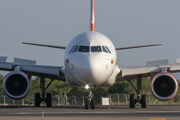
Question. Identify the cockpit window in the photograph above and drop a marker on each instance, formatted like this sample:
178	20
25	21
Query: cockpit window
75	49
72	49
96	49
104	49
108	49
83	48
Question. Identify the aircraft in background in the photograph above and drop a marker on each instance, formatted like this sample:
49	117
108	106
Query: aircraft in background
90	60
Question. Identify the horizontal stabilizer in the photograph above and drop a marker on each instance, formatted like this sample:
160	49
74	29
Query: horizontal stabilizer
157	63
51	46
122	48
3	59
24	61
178	60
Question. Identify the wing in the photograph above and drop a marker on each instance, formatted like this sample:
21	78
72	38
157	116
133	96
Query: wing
29	67
128	73
43	45
130	47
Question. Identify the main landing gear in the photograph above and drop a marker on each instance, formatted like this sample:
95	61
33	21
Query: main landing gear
133	101
89	100
48	98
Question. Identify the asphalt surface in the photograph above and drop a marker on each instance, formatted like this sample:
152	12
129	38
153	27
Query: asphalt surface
100	113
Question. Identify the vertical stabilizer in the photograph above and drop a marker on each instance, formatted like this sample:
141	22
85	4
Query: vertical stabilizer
92	26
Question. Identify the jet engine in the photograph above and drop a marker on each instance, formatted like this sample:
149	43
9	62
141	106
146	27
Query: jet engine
164	86
16	85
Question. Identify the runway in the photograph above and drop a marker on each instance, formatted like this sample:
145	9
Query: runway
101	112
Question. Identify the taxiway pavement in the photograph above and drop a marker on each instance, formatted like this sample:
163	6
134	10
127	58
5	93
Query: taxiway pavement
100	113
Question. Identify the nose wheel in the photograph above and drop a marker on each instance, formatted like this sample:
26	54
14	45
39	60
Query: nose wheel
89	100
86	104
93	104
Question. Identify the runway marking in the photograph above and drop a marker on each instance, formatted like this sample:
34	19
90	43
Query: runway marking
157	119
43	114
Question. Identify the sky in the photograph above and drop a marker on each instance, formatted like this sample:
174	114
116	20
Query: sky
56	22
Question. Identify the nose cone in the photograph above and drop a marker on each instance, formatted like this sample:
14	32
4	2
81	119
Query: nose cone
91	70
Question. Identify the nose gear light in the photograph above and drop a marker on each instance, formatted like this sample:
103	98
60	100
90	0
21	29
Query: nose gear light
87	86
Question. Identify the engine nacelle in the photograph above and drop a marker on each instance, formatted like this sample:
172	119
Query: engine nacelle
164	86
16	85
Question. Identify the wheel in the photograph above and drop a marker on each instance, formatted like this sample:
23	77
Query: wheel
132	102
37	100
49	100
86	104
93	104
143	101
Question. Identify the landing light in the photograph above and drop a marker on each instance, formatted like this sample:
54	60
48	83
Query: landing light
87	86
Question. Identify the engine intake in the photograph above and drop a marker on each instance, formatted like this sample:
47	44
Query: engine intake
164	86
16	85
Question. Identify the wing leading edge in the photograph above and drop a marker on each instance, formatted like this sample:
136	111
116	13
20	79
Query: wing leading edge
44	45
130	47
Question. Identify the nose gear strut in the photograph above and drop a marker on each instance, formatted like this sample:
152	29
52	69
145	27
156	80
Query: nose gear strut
89	100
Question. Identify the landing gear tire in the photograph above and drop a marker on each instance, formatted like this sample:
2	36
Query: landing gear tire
49	100
132	102
37	100
93	104
143	101
86	104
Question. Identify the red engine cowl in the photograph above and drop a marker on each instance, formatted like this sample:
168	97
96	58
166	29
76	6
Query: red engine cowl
164	86
16	85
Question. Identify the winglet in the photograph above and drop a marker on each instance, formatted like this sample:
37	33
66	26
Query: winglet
92	25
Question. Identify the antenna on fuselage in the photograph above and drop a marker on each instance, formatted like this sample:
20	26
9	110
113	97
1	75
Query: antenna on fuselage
92	24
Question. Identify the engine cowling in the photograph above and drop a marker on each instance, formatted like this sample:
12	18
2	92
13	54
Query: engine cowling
164	86
16	85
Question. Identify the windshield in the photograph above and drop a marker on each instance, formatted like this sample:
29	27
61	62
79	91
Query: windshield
83	48
108	49
104	49
75	49
72	49
96	49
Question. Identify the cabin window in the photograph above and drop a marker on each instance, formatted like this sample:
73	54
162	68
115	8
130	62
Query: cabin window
104	49
108	49
83	48
96	49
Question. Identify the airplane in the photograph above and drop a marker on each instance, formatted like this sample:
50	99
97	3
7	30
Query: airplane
90	60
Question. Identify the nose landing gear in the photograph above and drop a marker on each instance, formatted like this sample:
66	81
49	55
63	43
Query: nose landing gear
89	100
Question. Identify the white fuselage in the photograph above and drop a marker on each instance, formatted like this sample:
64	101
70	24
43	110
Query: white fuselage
89	62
